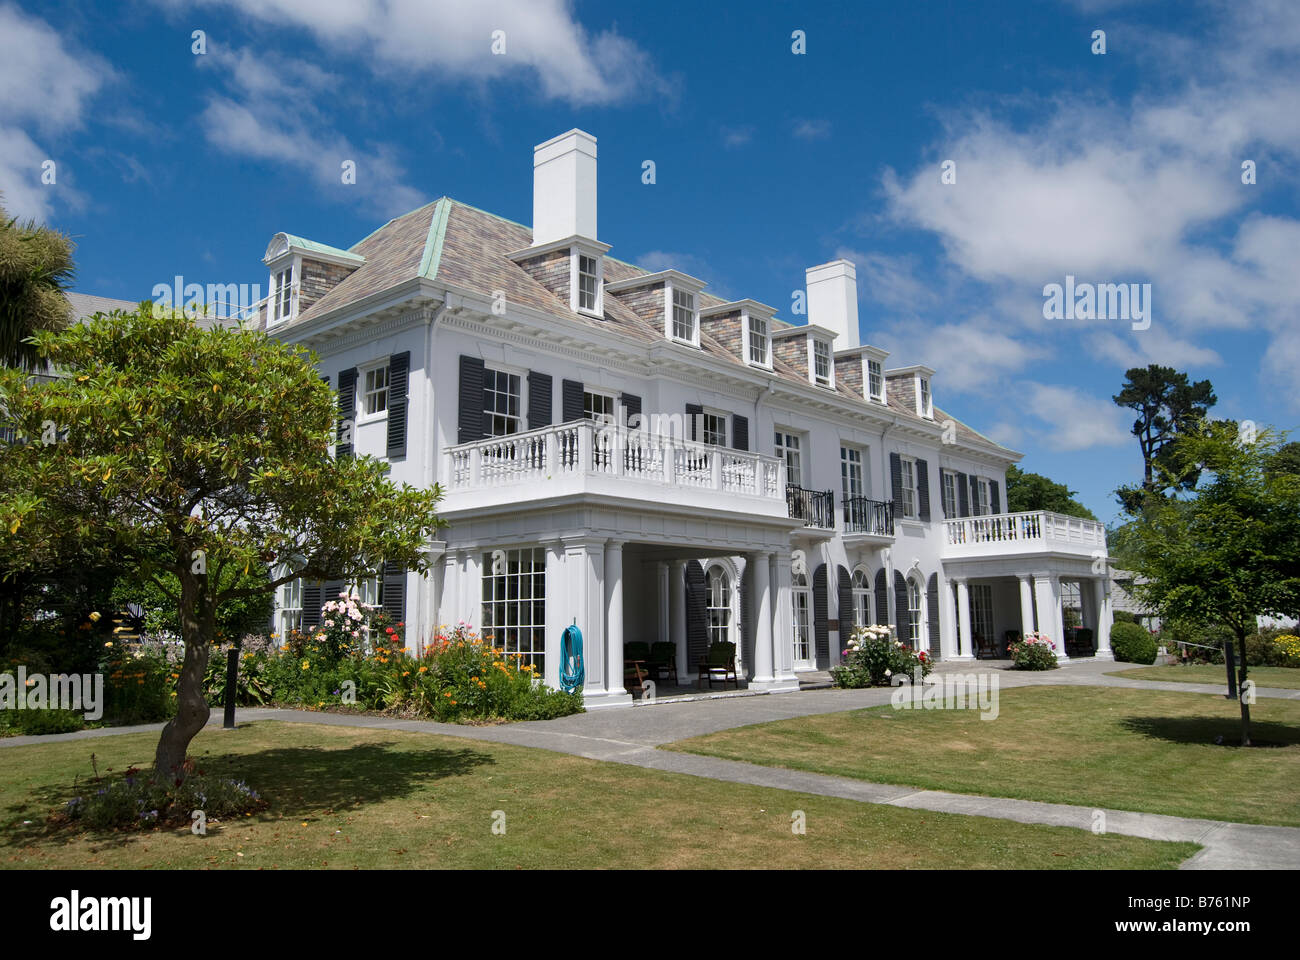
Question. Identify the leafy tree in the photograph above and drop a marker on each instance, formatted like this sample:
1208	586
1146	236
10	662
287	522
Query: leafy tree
1230	551
1033	491
194	454
35	270
1287	459
1168	406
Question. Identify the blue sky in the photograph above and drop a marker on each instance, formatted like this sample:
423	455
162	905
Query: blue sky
1122	167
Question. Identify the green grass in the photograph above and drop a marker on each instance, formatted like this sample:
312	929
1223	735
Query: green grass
1286	678
347	797
1151	751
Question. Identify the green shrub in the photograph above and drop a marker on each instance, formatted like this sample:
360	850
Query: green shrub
35	723
140	682
1034	652
873	658
1132	643
135	800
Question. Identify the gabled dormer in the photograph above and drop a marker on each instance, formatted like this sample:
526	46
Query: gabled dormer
809	349
744	327
302	271
914	386
669	299
862	370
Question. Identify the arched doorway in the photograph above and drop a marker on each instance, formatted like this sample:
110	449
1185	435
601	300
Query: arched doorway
801	597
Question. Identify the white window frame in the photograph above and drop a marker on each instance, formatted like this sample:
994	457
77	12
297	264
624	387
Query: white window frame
924	397
781	437
983	505
801	622
875	375
575	283
603	395
947	481
748	321
670	314
523	397
862	599
289	616
720	416
364	413
813	355
852	456
523	629
282	299
915	615
720	615
910	505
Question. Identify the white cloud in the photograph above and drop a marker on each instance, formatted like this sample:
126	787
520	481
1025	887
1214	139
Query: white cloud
736	136
812	129
453	39
1072	419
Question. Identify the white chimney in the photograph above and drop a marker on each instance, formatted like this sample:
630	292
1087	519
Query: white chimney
564	188
833	300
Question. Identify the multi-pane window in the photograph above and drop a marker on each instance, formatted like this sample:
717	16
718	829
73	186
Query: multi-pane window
514	604
802	604
851	472
907	467
861	599
926	411
913	614
982	506
374	394
502	402
787	448
587	280
949	485
758	343
821	363
876	380
290	606
719	605
981	611
715	430
684	316
598	407
282	294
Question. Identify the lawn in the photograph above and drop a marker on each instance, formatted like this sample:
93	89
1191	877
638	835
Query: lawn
1286	678
345	797
1150	751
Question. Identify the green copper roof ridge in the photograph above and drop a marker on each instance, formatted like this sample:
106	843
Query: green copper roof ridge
392	221
433	244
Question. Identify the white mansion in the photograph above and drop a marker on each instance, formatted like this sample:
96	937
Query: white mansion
623	451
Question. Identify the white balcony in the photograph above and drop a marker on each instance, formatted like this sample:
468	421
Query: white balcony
1016	534
588	458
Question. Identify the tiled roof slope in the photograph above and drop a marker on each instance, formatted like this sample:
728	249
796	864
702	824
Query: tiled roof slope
469	248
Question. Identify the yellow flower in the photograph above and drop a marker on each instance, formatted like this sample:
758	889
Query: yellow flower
306	665
94	617
109	644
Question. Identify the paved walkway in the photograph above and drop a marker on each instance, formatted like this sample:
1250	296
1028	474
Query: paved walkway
631	736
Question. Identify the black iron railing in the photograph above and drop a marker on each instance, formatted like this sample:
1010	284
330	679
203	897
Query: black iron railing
869	516
816	508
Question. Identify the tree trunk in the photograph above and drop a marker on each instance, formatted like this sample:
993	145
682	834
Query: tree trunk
198	624
1241	690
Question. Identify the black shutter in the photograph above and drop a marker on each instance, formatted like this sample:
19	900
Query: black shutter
821	613
846	605
995	502
923	489
963	496
571	398
932	613
539	399
470	417
399	366
632	404
332	590
395	591
740	432
882	597
311	604
347	419
693	413
896	480
900	606
697	612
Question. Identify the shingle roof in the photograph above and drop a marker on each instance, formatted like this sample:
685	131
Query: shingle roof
463	246
86	305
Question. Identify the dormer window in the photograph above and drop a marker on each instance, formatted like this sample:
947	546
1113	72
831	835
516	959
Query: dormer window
282	294
876	380
685	321
821	363
588	283
760	347
926	408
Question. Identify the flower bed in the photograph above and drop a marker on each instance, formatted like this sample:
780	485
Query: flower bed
137	800
873	658
1035	651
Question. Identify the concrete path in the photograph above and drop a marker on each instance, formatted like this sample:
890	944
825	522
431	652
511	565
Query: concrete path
631	736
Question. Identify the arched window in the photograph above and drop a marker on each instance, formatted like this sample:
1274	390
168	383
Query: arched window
719	600
914	615
801	596
861	599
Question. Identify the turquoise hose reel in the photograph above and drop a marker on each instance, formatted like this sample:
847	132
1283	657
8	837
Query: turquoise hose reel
572	672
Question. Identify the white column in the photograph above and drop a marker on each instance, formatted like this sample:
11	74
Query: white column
677	614
584	571
963	619
661	578
1101	593
1026	606
949	640
447	602
763	653
556	611
614	614
1047	593
783	625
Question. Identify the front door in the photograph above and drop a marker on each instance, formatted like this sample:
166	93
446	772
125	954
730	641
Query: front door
803	647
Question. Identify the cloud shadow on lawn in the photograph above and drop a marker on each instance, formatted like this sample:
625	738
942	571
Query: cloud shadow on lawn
298	782
1204	730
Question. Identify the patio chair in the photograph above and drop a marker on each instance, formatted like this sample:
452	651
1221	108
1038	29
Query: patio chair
719	663
985	648
1082	643
635	674
663	660
636	650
